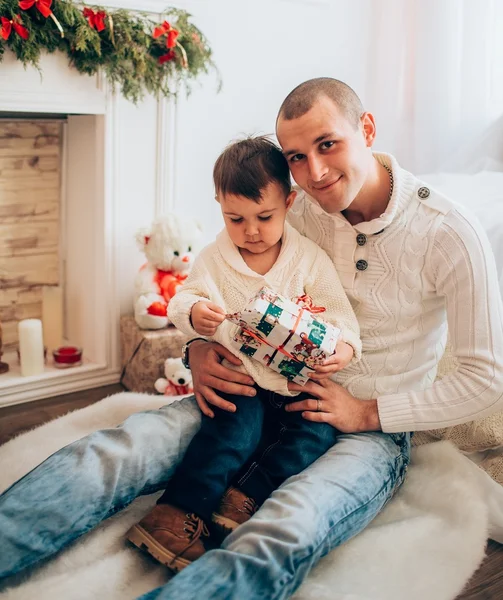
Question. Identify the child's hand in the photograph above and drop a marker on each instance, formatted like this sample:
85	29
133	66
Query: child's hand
206	317
342	357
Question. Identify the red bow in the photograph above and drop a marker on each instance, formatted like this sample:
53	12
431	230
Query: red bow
161	30
44	6
95	19
171	35
171	32
171	39
307	303
8	25
167	57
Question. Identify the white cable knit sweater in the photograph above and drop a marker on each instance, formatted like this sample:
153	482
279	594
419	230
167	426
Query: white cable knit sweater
430	268
220	275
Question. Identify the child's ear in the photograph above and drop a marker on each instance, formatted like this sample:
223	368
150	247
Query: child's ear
290	199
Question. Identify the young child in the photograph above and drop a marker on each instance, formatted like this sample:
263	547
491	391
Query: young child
223	479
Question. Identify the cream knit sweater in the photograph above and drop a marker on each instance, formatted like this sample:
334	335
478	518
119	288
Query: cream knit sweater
220	275
430	269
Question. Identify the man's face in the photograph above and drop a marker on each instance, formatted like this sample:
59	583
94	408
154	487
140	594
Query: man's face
329	158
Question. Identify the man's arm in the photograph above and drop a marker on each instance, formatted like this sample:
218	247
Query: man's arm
464	272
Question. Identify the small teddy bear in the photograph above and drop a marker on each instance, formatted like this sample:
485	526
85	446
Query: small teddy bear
169	246
177	381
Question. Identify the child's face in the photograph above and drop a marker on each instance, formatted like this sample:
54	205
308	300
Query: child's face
256	226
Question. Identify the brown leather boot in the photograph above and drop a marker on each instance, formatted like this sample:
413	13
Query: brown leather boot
172	536
235	508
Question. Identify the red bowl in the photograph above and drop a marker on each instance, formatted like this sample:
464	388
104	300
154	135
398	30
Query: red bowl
67	356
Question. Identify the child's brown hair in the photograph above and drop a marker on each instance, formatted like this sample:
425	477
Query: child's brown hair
248	166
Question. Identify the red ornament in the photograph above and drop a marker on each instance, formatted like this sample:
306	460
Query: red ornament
44	6
9	24
167	57
96	20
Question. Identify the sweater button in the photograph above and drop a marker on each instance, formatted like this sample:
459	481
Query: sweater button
423	192
362	265
361	239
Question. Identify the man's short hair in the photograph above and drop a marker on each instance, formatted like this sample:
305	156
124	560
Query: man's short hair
248	166
300	100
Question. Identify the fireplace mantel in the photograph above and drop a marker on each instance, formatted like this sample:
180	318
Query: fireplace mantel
56	89
118	174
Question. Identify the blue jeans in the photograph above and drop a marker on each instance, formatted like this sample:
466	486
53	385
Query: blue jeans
232	448
267	557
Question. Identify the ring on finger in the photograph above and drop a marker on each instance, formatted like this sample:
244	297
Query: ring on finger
318	405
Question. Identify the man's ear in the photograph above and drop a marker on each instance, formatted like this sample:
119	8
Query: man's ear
290	199
368	125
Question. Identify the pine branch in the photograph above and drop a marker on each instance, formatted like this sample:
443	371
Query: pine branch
125	50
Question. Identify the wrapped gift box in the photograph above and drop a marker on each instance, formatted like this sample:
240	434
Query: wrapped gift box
143	353
284	335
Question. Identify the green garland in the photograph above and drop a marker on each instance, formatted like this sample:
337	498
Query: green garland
125	48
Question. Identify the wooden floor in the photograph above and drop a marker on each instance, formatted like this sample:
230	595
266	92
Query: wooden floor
21	417
486	584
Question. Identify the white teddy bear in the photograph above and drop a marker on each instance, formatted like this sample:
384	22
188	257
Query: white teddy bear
177	381
169	246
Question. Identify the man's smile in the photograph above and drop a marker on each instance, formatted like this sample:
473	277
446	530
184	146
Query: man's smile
327	186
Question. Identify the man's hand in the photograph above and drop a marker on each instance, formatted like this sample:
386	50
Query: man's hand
333	404
208	375
335	363
206	317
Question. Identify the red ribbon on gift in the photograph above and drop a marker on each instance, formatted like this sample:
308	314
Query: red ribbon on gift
96	20
9	24
264	341
306	304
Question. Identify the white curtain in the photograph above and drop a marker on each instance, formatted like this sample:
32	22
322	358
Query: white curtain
435	77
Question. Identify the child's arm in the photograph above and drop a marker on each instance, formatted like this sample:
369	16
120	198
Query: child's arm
325	288
190	309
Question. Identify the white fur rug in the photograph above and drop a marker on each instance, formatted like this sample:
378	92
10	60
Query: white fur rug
426	543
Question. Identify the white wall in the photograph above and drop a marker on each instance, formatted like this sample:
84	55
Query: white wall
135	158
263	50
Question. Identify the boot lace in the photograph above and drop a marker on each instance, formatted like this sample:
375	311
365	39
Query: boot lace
195	528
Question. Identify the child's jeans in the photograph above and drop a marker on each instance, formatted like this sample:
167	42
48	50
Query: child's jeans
256	448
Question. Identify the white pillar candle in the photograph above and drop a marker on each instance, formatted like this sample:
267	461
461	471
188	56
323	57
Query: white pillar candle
31	347
52	317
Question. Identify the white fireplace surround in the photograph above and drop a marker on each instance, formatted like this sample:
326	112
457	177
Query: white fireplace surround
91	210
126	164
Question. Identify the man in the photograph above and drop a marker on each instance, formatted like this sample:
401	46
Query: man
412	264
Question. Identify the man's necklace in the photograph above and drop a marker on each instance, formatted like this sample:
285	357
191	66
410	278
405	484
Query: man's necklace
391	182
390	173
